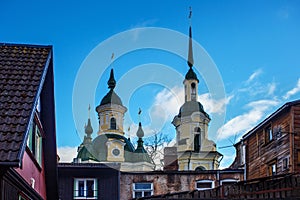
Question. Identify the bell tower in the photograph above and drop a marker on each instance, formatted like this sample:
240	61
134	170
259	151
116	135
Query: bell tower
194	149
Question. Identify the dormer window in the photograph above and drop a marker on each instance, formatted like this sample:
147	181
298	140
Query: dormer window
113	123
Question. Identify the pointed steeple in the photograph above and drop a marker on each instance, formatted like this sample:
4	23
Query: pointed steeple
190	54
140	152
190	60
88	129
111	82
191	75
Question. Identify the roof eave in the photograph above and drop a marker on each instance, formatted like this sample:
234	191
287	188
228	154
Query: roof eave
278	111
24	143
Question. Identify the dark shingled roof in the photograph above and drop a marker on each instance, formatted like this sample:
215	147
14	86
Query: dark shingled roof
22	71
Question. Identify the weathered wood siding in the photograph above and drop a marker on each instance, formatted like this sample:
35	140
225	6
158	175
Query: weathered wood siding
260	152
296	134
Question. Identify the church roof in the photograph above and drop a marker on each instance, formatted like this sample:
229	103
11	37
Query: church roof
111	97
84	154
191	75
189	107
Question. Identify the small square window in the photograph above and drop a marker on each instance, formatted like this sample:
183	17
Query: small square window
85	188
142	190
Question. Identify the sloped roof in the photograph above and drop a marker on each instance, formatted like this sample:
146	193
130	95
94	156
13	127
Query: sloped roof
22	72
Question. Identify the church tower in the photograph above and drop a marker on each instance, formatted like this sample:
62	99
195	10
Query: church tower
194	150
111	110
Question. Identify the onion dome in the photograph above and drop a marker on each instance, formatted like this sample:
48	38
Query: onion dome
111	97
140	132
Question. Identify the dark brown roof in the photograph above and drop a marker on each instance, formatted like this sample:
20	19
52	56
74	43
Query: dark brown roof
22	71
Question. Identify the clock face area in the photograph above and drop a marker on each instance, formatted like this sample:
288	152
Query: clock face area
116	152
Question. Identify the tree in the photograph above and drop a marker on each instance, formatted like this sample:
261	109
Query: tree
155	145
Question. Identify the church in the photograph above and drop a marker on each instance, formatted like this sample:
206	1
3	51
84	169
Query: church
193	148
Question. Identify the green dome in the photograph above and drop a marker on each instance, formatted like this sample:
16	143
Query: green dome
189	107
111	98
84	154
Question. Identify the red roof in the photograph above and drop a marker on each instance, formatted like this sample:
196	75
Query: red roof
22	71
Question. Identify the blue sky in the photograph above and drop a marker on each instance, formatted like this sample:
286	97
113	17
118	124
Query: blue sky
254	44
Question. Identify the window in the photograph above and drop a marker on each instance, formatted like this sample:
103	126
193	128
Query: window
268	133
113	124
34	141
272	169
204	184
298	160
142	190
85	189
197	139
285	163
193	93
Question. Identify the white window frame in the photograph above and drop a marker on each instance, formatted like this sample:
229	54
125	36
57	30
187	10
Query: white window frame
142	190
76	188
205	181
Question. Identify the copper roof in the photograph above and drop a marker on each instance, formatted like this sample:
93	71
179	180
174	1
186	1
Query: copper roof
22	71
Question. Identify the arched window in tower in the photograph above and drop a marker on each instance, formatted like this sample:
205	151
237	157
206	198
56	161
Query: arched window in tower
197	139
193	92
113	123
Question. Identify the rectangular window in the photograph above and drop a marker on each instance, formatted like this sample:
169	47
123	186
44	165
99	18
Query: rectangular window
34	141
268	134
85	189
298	160
142	190
285	163
204	184
272	169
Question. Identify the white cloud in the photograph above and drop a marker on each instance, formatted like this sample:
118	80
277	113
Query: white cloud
293	91
142	24
67	153
254	75
271	88
212	105
244	122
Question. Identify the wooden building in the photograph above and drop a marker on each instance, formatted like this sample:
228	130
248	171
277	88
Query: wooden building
27	123
273	146
88	181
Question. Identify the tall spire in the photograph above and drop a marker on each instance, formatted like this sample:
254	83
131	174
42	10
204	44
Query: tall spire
190	60
111	82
